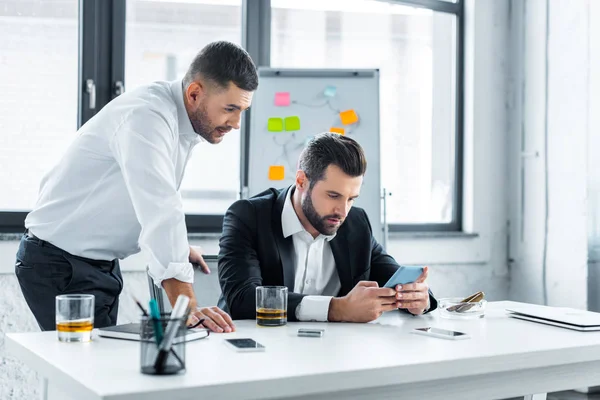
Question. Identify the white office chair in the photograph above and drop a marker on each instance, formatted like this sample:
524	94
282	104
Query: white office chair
206	287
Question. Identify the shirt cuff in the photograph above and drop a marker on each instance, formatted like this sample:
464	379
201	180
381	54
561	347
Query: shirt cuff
313	308
183	272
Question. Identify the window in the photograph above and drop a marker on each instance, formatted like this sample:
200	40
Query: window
54	49
162	37
415	50
38	106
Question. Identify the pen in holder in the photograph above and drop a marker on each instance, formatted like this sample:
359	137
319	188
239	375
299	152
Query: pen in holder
153	359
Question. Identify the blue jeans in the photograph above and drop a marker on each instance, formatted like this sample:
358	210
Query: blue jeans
45	271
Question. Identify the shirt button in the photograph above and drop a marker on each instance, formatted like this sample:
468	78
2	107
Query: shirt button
308	281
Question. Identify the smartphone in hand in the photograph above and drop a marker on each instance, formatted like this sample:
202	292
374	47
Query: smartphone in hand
404	275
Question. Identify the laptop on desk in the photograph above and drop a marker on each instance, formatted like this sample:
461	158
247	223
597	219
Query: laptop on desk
570	318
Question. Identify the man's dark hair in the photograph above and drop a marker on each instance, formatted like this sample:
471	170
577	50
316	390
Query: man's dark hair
223	62
327	149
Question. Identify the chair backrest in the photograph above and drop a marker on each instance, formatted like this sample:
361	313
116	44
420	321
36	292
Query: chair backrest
158	294
206	287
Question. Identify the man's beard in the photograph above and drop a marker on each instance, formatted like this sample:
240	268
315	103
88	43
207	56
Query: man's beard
203	126
318	222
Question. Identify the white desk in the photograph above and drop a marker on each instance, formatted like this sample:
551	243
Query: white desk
504	358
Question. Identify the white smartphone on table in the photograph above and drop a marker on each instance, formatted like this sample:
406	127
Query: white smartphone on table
244	345
441	333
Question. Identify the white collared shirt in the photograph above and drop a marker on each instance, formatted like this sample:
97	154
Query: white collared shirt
315	271
116	189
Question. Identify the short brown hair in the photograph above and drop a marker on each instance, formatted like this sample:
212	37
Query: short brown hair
328	148
221	63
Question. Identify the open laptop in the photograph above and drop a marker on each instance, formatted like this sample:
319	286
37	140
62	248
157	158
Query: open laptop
570	318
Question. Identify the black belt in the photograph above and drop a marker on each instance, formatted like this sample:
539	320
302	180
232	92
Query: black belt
40	241
103	264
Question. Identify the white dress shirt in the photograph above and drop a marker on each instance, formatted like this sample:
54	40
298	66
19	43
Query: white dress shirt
116	189
315	271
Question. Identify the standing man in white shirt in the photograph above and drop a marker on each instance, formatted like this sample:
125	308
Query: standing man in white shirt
116	190
310	238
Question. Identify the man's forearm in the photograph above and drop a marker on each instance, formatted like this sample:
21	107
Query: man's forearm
175	287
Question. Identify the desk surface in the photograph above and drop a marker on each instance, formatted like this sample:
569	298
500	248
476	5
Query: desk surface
348	357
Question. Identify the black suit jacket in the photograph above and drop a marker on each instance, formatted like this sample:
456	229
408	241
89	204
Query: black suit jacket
253	252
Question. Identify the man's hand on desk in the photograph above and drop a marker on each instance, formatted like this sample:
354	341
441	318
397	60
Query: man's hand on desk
196	258
215	319
365	302
414	297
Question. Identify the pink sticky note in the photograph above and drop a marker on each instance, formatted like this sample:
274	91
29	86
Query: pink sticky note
282	99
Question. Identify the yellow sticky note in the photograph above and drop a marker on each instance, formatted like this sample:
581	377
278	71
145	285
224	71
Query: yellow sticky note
292	124
348	117
276	172
275	125
341	131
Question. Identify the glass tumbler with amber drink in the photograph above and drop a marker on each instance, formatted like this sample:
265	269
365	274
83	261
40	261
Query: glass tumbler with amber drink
271	305
75	317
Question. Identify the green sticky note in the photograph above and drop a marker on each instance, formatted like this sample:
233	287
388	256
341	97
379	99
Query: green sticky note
275	125
292	124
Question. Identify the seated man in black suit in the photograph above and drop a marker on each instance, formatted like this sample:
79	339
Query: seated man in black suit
309	238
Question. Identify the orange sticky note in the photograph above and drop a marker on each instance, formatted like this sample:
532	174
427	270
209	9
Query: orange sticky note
276	172
348	117
341	131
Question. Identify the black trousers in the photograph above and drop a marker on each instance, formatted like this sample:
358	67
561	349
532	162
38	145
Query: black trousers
45	271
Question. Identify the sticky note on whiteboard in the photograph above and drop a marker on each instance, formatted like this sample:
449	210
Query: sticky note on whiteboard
348	117
275	125
282	99
276	172
329	91
340	131
292	124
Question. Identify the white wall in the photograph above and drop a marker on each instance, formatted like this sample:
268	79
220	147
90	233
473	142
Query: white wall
459	265
548	151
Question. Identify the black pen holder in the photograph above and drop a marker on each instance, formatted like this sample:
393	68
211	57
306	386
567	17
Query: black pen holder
166	362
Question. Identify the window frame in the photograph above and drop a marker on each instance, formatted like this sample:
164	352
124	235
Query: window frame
102	30
456	224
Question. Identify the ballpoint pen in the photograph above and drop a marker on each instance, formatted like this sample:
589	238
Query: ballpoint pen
144	312
155	315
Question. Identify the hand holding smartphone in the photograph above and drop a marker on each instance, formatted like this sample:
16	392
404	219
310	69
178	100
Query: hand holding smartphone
404	275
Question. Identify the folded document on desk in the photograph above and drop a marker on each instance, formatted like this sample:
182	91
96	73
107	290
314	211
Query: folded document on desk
570	318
